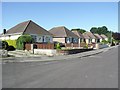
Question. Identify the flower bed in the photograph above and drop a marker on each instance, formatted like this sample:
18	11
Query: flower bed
72	51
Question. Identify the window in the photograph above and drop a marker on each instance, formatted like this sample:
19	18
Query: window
47	39
34	38
75	40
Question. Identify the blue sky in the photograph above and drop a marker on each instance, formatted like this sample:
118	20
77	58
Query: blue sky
72	15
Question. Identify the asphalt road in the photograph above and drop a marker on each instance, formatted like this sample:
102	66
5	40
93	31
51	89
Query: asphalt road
98	71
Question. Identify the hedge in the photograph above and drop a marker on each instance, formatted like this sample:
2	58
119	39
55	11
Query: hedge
11	43
22	40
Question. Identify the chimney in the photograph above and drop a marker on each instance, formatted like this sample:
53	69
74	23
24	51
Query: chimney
4	31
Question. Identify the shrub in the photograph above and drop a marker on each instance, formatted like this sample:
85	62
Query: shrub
11	43
104	42
86	46
10	48
4	45
22	40
58	46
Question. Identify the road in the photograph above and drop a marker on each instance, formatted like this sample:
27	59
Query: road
98	71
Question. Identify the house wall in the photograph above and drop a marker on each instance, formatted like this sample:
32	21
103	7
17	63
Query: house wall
42	38
10	37
61	40
106	39
101	40
93	40
87	41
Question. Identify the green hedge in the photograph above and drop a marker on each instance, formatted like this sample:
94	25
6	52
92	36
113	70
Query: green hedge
22	40
11	43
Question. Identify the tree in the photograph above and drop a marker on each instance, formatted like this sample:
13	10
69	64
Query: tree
99	30
94	30
22	40
116	36
80	30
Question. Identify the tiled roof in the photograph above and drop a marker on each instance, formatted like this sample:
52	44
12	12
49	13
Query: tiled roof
78	34
91	35
85	36
103	36
98	36
27	27
62	32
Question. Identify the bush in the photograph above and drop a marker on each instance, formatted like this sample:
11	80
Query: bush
11	43
86	46
4	45
10	48
105	42
22	40
58	46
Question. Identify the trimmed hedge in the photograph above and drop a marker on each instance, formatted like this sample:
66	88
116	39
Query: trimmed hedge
11	43
22	40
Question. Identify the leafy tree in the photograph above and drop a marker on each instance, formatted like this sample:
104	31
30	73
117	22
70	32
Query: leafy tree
80	30
116	36
94	30
99	30
22	40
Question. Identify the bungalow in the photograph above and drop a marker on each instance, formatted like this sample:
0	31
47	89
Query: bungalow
63	35
92	38
81	37
104	37
87	39
38	33
99	38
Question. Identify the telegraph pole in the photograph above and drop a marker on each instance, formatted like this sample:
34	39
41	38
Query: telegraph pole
111	37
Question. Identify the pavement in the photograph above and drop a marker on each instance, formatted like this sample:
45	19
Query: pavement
95	71
54	58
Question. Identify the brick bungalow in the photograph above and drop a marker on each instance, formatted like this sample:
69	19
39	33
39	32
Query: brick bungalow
63	35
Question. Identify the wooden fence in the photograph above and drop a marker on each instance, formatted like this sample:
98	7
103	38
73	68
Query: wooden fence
27	46
51	45
40	46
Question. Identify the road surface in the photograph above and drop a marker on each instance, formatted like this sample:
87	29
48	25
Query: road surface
98	71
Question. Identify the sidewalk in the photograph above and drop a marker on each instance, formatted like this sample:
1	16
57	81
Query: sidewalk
56	58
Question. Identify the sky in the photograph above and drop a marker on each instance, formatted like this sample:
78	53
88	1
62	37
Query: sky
82	15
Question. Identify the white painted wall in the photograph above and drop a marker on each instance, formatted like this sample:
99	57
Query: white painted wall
94	40
61	40
106	39
10	37
101	40
14	37
87	41
45	51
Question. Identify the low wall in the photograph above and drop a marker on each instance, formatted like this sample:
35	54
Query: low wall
45	51
100	46
51	52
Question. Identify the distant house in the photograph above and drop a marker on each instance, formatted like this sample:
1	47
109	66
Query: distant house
38	33
87	39
92	38
104	37
99	38
63	35
81	37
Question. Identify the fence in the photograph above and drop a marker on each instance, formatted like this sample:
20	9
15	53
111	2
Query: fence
51	45
40	46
